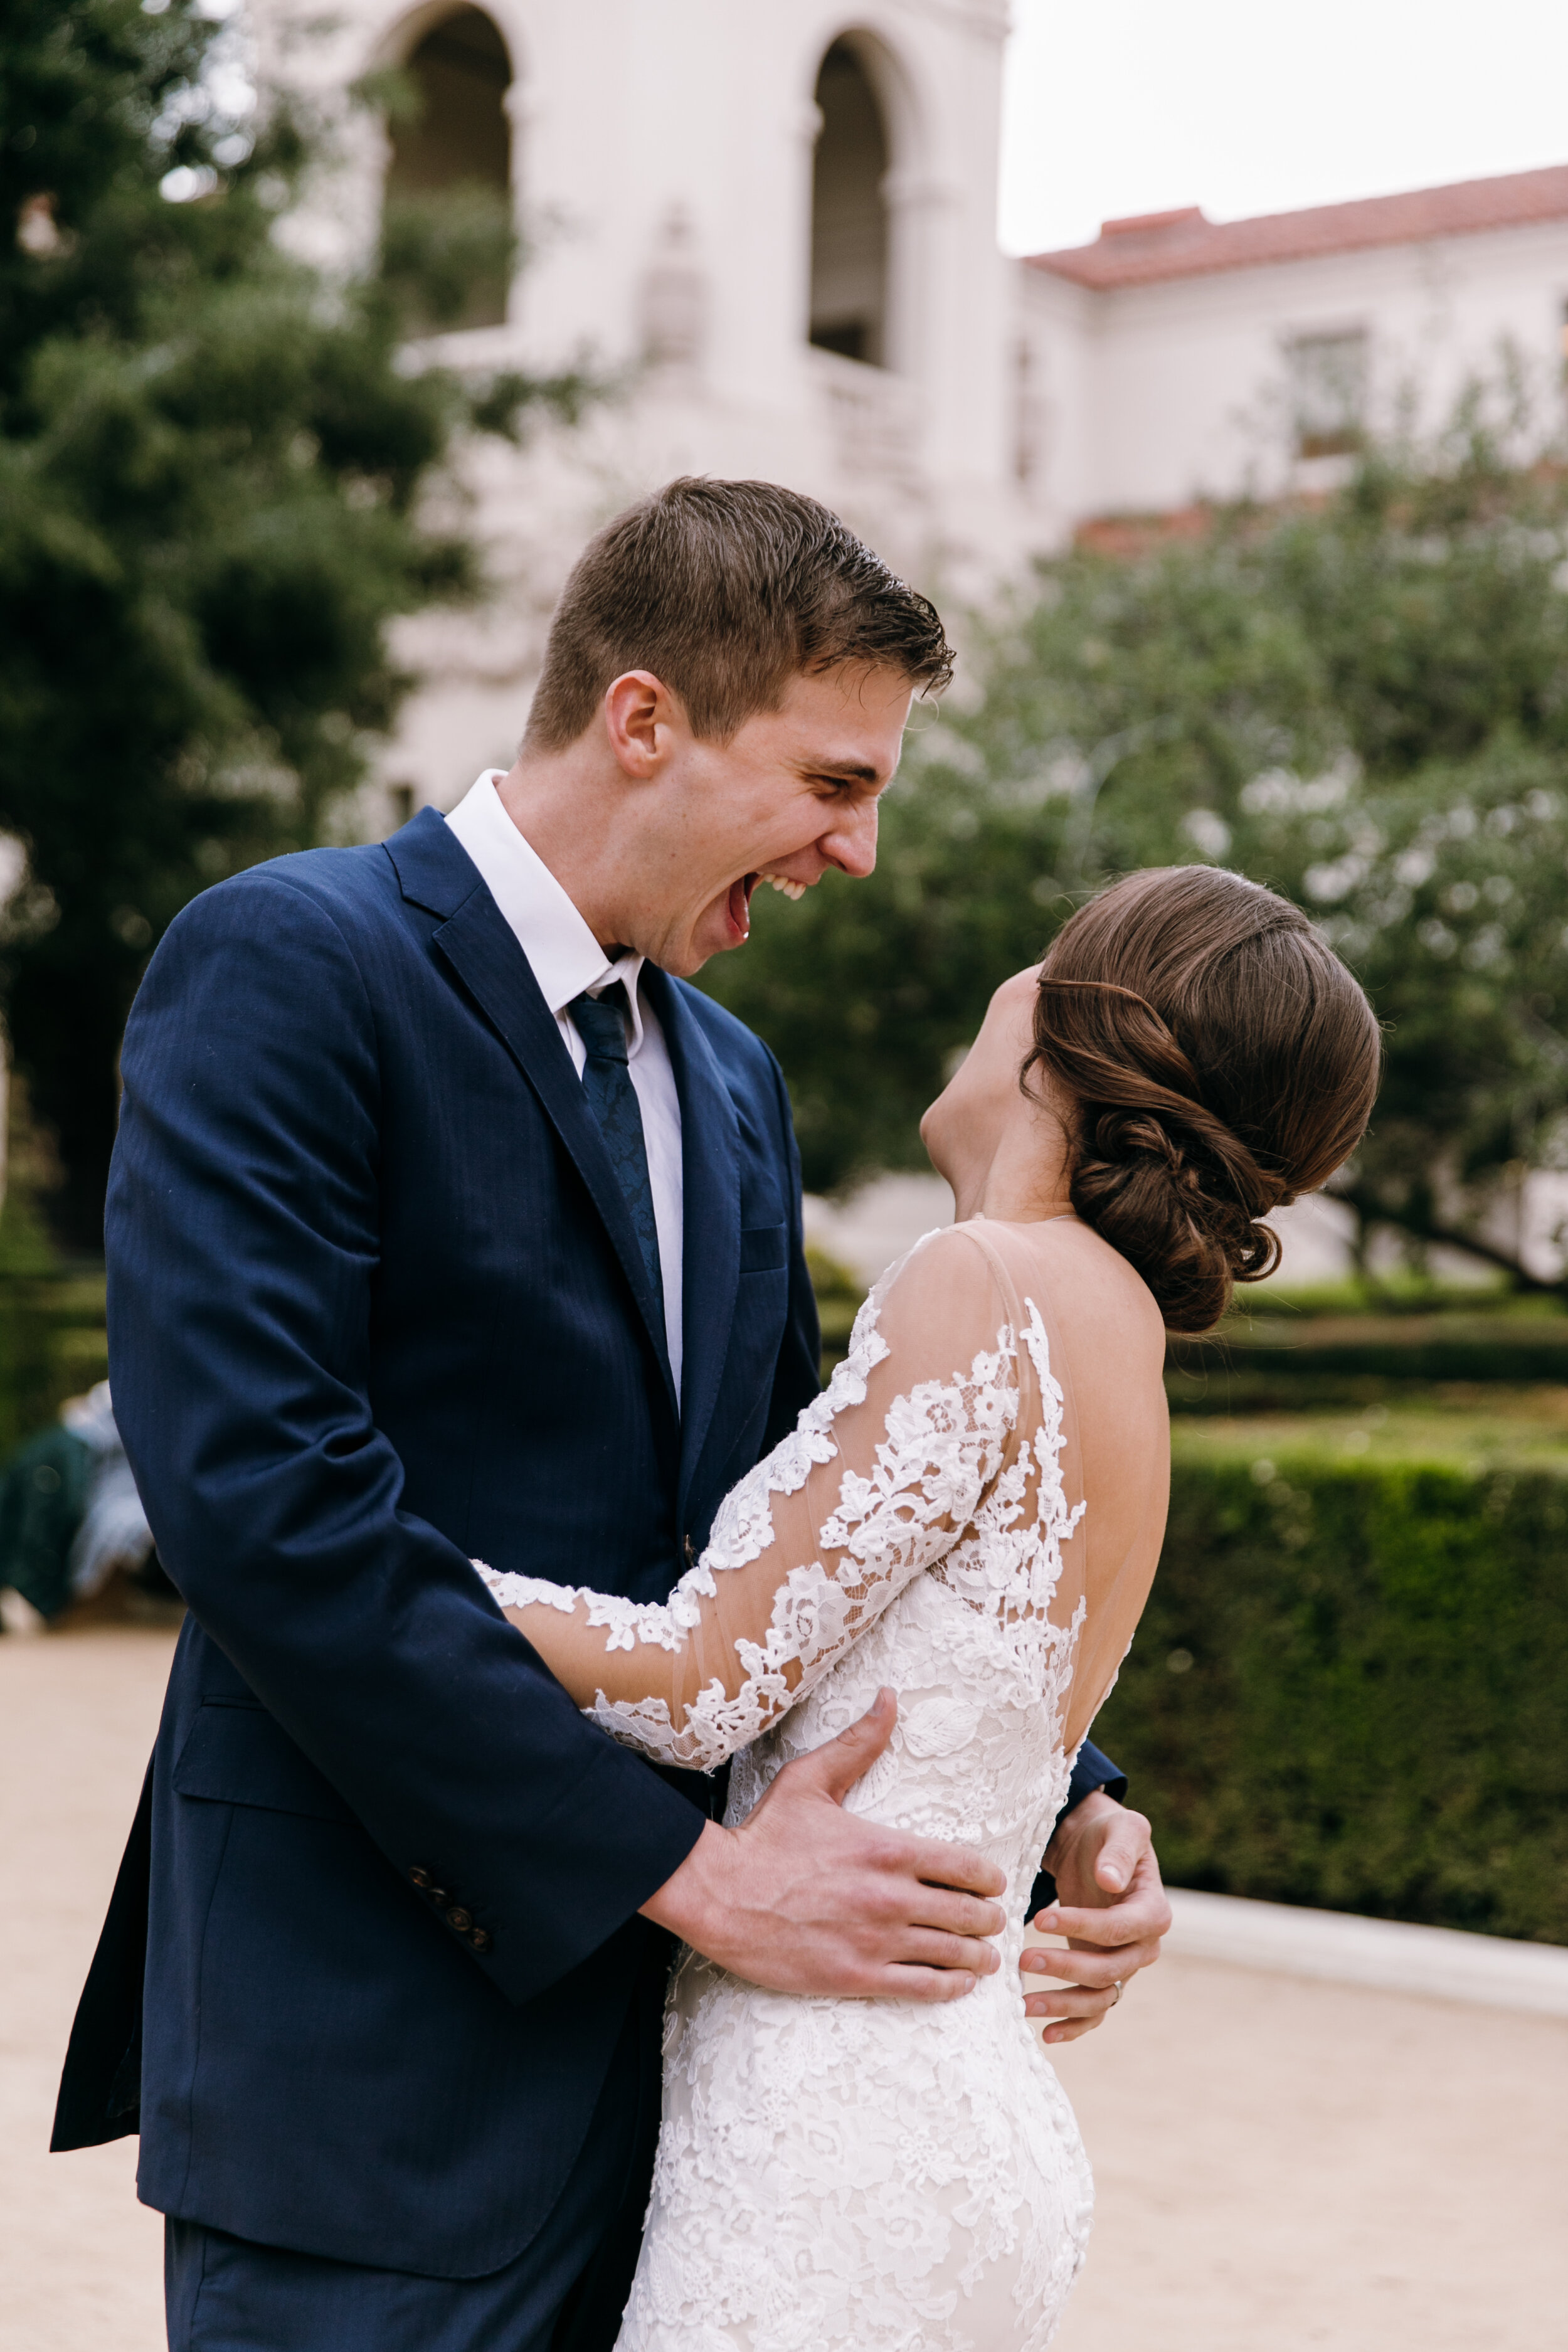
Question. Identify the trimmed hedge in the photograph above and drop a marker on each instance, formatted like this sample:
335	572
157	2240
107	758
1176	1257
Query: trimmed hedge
1351	1690
1252	1360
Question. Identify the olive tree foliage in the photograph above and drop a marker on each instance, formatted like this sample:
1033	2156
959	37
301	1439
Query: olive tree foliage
1364	704
211	462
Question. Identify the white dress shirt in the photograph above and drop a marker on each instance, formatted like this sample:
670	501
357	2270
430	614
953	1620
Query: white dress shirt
567	959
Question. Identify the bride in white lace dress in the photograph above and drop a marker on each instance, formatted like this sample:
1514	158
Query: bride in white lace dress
969	1516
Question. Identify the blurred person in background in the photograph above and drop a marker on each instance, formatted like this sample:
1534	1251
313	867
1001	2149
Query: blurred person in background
71	1519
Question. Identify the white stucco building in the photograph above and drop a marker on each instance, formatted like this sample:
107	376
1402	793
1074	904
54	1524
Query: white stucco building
773	221
1183	359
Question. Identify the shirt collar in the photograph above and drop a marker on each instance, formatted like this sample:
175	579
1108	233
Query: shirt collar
566	957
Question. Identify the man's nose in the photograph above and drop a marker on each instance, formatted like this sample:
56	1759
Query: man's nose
852	844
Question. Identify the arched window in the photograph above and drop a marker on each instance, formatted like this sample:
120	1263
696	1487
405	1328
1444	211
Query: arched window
454	142
849	214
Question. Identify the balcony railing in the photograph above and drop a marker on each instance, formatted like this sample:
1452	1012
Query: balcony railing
873	417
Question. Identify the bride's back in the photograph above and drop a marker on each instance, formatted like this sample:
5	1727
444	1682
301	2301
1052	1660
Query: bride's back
1107	1353
1003	1384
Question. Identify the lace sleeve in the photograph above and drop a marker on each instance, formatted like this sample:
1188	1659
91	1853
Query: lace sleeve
877	1481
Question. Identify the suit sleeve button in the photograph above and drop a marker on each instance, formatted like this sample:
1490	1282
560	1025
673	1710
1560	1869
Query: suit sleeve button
420	1878
438	1893
480	1940
459	1919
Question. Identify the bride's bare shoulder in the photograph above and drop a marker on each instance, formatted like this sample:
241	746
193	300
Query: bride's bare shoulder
1093	1291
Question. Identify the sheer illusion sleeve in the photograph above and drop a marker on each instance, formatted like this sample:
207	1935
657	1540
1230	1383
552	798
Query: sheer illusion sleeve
877	1481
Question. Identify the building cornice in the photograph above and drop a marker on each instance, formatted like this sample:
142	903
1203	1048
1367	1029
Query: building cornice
1156	248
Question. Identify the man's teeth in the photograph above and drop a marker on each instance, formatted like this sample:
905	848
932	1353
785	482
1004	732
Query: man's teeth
781	882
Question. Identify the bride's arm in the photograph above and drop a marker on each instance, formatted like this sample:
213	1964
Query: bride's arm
876	1480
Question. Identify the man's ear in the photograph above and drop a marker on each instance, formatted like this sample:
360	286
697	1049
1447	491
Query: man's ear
641	717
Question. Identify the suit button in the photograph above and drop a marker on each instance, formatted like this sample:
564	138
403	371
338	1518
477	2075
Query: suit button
438	1893
420	1878
461	1919
480	1940
690	1553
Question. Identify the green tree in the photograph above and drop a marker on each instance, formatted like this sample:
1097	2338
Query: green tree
211	463
1447	892
1364	705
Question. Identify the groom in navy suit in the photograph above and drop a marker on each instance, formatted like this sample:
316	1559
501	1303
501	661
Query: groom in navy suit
447	1221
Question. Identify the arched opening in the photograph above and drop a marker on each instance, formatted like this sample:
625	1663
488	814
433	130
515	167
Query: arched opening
449	180
849	214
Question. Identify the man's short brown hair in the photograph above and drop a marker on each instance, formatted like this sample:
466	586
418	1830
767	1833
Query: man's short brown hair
725	590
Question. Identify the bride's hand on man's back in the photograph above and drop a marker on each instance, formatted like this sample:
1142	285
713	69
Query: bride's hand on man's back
1110	1906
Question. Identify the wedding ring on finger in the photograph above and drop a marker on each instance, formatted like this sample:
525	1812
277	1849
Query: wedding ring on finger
1119	1990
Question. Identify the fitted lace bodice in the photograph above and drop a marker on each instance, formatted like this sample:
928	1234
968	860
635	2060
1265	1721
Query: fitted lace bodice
877	2175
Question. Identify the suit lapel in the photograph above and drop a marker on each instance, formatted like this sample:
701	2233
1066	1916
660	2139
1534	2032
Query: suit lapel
435	872
711	1165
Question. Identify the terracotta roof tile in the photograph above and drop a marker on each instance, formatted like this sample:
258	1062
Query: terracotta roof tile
1155	245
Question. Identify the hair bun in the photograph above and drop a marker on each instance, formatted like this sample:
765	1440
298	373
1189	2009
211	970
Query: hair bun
1220	1060
1176	1211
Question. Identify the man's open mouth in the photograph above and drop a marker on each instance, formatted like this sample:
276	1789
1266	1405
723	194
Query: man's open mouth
740	901
741	904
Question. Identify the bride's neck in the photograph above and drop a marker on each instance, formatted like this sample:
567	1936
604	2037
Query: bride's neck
1025	1176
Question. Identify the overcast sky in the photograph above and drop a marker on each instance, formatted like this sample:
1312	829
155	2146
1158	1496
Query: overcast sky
1253	106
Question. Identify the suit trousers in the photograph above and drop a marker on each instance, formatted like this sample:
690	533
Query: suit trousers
565	2293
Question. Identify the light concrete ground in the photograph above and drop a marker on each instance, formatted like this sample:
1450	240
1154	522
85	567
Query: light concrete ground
77	1714
1281	2163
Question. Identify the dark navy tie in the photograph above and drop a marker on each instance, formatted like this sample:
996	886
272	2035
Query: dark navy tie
607	1083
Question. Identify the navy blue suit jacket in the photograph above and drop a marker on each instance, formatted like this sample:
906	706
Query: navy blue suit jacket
376	1306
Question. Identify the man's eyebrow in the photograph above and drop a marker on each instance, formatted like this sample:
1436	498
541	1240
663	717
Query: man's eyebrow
853	772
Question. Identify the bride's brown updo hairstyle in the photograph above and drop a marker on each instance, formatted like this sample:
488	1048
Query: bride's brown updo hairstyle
1222	1060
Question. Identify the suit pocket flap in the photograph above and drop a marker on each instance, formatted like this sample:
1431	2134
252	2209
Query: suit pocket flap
763	1248
240	1755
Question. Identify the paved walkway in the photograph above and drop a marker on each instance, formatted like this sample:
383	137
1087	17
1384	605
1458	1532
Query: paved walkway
1282	2163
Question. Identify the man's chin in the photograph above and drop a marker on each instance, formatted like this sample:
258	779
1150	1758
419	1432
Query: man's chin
704	943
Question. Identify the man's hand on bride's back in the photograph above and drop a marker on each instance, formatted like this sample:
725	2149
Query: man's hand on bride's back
806	1897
